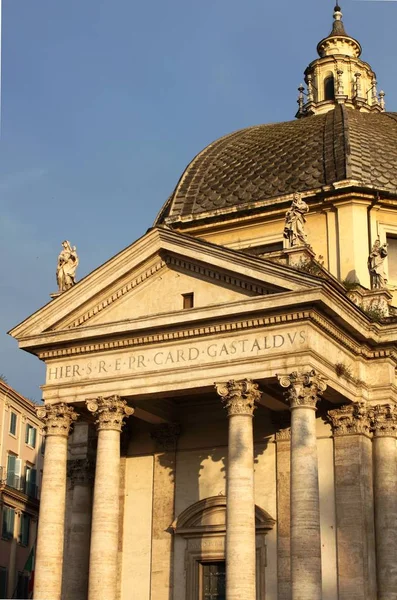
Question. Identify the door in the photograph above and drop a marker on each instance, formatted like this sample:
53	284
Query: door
213	581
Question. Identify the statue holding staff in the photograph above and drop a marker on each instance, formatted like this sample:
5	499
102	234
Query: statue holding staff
67	265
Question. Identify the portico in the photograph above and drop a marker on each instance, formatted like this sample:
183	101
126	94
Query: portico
192	405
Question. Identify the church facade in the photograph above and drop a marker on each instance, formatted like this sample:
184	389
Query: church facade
220	399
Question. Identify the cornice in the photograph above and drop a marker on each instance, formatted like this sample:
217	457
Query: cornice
157	241
293	317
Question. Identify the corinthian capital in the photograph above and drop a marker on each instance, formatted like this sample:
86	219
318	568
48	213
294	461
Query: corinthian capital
304	389
384	420
239	397
57	418
350	419
110	412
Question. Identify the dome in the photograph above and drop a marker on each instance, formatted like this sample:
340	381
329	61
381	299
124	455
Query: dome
248	168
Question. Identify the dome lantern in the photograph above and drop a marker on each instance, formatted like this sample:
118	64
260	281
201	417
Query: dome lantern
339	76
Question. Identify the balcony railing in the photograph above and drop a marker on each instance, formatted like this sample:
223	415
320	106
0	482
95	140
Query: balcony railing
21	484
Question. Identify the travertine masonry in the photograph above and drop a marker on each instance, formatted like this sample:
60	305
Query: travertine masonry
49	557
239	398
354	502
303	392
384	420
110	414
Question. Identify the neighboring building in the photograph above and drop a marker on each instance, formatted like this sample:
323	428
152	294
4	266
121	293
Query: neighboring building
21	463
300	501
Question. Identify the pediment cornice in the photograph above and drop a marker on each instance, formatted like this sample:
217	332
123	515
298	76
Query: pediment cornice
128	268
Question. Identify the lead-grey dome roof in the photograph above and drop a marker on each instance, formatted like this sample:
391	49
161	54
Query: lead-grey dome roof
268	161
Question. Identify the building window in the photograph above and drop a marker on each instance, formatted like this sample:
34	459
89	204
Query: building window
329	88
392	259
42	444
7	530
14	471
188	300
25	530
13	423
213	581
30	481
3	582
22	586
30	436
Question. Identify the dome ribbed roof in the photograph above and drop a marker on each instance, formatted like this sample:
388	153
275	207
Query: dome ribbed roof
267	161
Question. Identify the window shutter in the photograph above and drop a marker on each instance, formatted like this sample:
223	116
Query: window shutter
33	476
34	432
8	522
27	434
18	466
11	463
11	470
25	526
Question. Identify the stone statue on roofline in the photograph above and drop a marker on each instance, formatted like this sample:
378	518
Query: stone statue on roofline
67	265
294	227
376	269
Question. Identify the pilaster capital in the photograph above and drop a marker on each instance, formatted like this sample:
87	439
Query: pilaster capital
166	436
304	389
110	412
57	418
239	397
384	420
350	419
81	471
283	435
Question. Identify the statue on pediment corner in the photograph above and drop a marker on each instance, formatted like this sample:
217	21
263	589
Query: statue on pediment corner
294	227
376	268
66	269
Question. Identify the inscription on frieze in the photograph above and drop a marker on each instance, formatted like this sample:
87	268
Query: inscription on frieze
163	358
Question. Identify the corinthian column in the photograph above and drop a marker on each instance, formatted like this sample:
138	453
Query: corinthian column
110	413
304	391
384	421
239	398
49	558
354	502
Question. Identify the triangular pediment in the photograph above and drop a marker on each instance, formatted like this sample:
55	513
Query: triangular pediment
153	276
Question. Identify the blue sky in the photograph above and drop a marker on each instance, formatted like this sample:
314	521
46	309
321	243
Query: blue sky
104	102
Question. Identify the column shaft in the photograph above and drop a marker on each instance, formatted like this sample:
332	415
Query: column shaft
76	586
50	537
105	518
304	390
305	507
385	491
239	398
240	511
105	512
49	558
354	502
385	488
283	460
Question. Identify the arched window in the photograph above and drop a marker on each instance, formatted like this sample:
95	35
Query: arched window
329	88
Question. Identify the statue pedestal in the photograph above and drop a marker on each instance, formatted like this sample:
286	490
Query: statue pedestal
375	302
55	295
297	257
